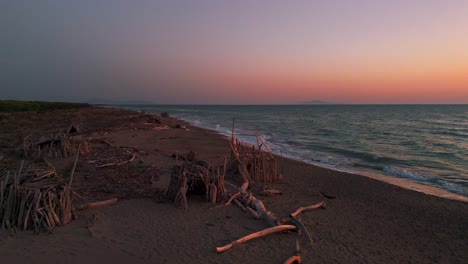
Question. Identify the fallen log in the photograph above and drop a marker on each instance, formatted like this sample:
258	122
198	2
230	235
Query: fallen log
258	234
98	204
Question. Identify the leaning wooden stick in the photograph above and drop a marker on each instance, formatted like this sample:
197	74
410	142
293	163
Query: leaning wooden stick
98	204
258	234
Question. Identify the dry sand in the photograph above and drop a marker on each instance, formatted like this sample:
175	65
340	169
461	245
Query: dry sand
369	222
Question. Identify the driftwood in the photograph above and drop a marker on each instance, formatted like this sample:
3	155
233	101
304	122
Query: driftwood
258	234
36	199
308	208
303	231
60	145
193	176
270	192
297	256
260	171
117	163
98	204
90	224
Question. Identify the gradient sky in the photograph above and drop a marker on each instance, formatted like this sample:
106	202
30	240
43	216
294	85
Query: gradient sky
235	52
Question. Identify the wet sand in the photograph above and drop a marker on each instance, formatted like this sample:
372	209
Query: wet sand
370	221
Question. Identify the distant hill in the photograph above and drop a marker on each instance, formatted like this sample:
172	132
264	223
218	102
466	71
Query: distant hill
315	102
118	102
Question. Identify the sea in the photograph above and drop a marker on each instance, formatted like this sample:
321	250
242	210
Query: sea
426	144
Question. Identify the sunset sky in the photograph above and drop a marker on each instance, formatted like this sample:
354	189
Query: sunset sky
235	52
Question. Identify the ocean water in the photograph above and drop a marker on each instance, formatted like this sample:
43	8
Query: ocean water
427	144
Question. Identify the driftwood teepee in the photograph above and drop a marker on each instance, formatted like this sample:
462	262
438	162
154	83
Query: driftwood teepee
192	176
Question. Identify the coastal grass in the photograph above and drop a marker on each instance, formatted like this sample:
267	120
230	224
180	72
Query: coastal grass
23	106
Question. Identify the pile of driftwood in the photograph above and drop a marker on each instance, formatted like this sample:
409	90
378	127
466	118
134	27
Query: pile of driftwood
36	199
256	161
61	145
249	169
194	176
247	165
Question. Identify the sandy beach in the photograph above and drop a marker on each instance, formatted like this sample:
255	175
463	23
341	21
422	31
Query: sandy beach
369	221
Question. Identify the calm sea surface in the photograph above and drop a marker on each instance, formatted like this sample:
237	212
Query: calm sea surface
427	144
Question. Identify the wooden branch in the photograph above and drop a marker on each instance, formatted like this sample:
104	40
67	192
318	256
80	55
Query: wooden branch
236	202
269	217
214	193
297	257
232	198
98	204
293	259
303	231
258	234
270	192
308	208
74	167
117	163
253	213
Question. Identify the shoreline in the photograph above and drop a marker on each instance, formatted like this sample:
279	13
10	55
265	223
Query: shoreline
368	221
390	179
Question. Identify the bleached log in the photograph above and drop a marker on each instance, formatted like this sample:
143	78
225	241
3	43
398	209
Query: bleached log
98	204
258	234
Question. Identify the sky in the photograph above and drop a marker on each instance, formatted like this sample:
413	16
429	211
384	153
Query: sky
235	52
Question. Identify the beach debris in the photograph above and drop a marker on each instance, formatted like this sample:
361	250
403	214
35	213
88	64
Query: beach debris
98	204
117	163
182	127
163	127
154	119
60	145
73	128
328	196
36	199
245	199
255	161
193	176
270	192
258	234
91	223
296	258
308	208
